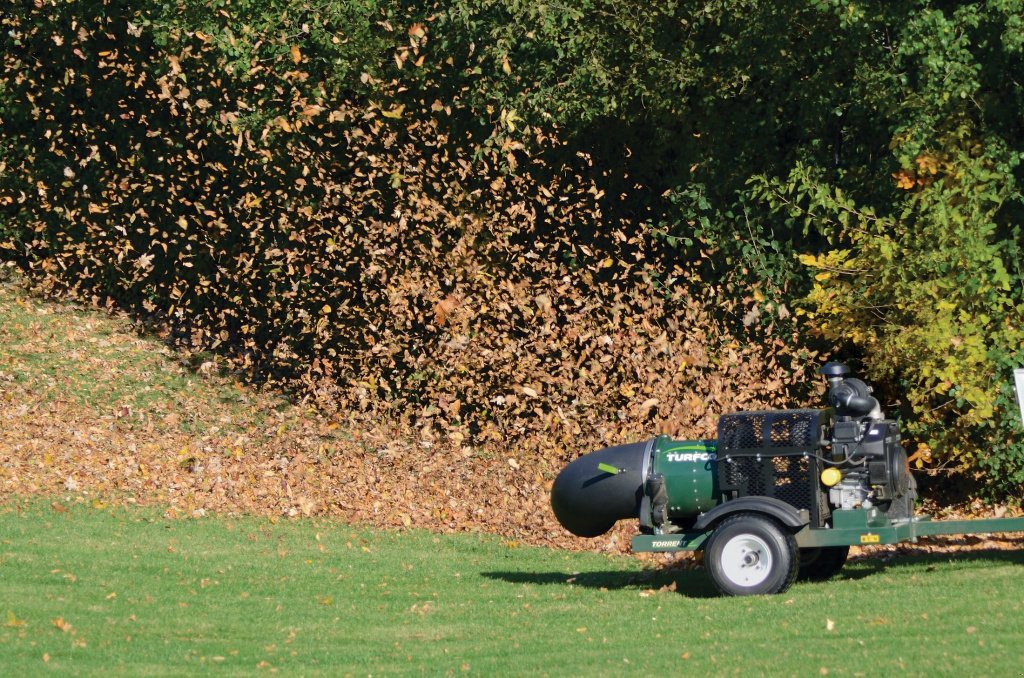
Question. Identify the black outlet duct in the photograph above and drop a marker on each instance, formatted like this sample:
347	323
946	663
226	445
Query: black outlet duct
588	500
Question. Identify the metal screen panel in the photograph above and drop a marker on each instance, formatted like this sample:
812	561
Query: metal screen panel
773	453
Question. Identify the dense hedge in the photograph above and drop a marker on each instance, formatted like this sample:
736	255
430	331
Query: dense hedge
541	223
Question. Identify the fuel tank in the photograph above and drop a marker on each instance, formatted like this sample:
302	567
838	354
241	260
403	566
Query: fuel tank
654	481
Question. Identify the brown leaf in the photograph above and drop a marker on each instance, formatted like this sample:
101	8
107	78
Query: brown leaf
444	307
644	410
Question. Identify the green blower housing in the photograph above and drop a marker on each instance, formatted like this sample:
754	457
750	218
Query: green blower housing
657	481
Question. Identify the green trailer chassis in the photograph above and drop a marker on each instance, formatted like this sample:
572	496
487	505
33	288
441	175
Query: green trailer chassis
849	527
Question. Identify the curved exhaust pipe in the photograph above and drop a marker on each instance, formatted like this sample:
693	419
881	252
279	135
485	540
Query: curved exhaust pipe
600	488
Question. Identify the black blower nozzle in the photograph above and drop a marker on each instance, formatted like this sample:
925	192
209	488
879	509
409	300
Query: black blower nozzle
588	498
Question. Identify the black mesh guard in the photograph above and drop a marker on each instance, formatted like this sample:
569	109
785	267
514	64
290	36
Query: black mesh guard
773	453
746	431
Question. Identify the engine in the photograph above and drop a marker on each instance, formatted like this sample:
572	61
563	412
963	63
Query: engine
868	464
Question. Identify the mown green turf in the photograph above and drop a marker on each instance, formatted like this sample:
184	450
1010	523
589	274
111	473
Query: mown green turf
62	352
93	592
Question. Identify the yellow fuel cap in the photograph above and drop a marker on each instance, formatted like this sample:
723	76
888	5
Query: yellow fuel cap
830	477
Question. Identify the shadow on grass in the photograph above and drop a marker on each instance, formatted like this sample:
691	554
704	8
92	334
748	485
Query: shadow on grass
689	583
694	583
876	563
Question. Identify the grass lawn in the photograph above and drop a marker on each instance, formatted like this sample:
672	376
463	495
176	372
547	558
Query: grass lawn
97	590
56	353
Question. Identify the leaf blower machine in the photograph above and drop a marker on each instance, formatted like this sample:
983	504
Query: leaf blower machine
779	495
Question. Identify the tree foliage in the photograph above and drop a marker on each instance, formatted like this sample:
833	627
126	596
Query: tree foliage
922	272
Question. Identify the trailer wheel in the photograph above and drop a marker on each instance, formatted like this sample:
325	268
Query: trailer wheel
751	554
821	564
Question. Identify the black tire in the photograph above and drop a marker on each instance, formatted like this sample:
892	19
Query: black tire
750	554
821	564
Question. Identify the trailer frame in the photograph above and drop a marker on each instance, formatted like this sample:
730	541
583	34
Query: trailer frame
851	527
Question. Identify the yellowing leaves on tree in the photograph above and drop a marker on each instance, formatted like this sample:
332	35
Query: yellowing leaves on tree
927	164
834	260
924	302
903	180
